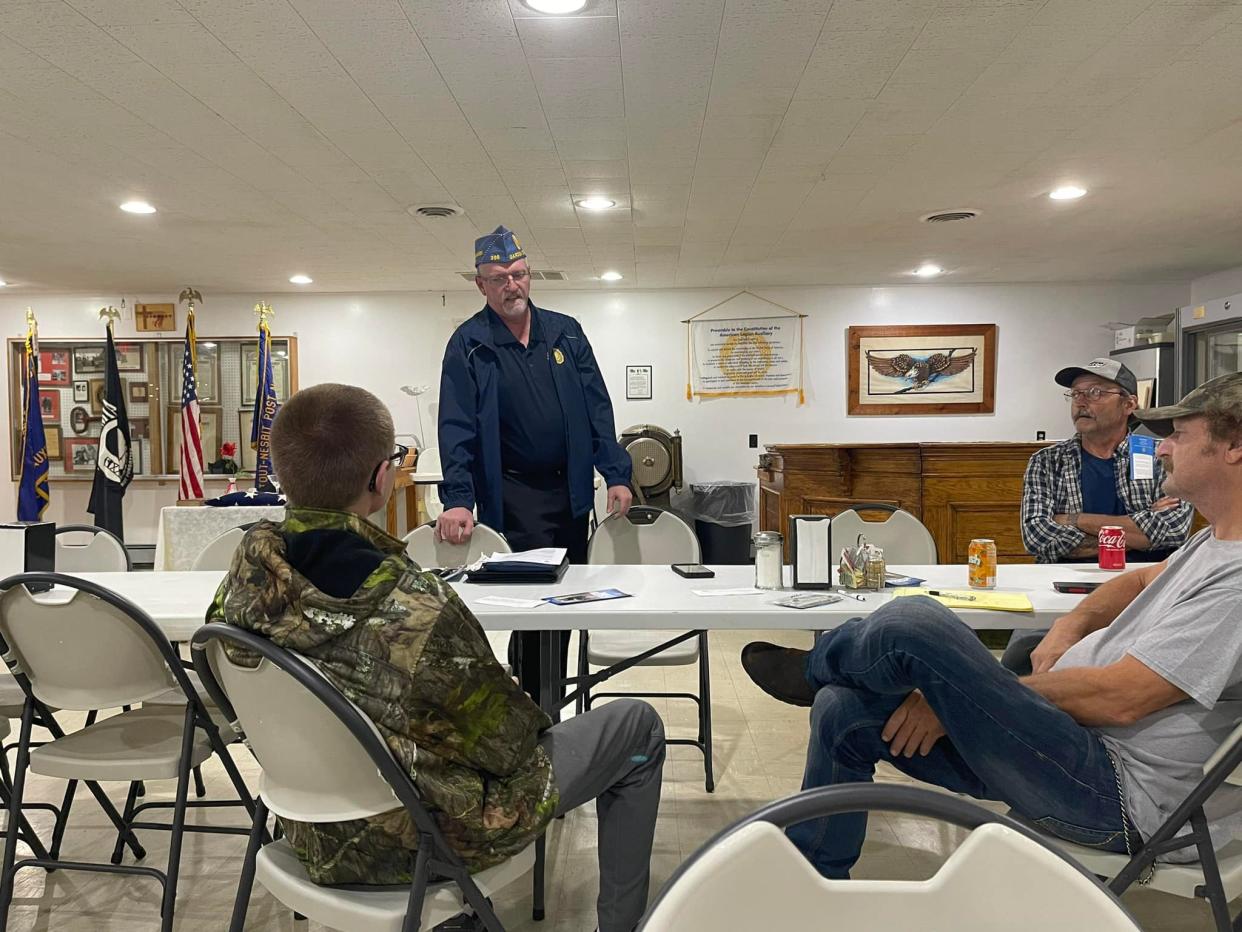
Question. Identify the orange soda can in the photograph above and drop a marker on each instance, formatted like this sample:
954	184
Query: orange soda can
981	559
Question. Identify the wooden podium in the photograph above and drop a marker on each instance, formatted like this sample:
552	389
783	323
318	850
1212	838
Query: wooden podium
960	491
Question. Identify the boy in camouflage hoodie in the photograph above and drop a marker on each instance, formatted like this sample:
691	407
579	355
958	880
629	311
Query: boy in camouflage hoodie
400	643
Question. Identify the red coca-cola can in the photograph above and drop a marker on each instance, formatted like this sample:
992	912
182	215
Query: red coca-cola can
1112	548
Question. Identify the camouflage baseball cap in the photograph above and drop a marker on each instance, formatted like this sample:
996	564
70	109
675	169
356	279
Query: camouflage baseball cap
1223	393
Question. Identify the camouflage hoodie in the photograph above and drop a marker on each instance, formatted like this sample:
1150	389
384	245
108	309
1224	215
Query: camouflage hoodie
410	654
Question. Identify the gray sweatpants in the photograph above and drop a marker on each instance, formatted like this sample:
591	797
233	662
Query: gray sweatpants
614	754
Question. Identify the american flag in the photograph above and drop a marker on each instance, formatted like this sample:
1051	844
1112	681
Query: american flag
191	439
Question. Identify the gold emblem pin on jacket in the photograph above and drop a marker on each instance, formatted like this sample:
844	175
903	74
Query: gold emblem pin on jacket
558	356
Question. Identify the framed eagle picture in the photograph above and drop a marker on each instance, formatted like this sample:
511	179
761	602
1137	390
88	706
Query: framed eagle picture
922	369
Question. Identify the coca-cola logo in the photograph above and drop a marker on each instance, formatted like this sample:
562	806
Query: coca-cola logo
1113	540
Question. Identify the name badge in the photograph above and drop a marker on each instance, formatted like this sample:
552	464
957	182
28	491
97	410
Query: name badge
1142	457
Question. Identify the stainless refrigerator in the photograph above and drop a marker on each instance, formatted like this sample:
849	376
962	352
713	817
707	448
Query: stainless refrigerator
1209	341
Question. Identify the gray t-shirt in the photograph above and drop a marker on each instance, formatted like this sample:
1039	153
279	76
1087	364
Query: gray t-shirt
1187	627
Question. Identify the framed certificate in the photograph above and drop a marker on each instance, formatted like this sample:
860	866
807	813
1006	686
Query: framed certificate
638	383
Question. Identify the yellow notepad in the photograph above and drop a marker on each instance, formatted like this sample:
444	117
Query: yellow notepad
975	598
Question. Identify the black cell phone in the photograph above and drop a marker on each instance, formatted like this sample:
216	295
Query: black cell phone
693	570
1078	588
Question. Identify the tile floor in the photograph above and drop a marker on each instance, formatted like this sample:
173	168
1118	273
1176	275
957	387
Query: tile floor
759	751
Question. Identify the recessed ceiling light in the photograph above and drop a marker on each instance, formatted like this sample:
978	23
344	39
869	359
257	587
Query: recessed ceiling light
1067	192
596	203
611	276
301	279
3	283
556	7
137	207
928	270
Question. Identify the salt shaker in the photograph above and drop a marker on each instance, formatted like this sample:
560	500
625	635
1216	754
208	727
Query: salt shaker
769	560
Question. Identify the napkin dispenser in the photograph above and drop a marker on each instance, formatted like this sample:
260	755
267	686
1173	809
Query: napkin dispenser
810	543
27	547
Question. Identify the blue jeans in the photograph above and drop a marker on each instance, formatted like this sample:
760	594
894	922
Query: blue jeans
1002	740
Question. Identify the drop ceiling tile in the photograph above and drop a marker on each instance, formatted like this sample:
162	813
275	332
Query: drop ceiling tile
483	19
570	37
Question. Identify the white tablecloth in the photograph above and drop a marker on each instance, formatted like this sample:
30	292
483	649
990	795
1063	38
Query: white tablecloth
185	530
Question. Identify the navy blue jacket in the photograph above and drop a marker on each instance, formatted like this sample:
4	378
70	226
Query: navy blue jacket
470	417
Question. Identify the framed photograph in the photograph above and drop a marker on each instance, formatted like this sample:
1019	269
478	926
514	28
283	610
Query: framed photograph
88	360
79	420
208	429
49	405
637	383
54	436
54	367
207	373
1146	393
250	370
139	428
247	456
135	450
138	392
129	357
97	396
155	317
80	453
81	391
922	369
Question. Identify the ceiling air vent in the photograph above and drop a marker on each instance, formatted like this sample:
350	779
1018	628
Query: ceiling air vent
539	275
950	216
436	211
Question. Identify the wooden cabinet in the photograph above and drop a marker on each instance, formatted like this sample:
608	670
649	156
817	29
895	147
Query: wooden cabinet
959	490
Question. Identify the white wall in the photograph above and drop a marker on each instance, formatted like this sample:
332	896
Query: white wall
1218	285
384	341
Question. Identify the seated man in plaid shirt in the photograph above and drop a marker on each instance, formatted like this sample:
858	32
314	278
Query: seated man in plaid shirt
1075	487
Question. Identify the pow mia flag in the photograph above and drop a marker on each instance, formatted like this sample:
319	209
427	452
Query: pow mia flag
114	464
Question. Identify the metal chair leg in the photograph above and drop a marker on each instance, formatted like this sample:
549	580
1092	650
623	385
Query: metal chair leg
15	814
178	823
537	892
199	789
583	669
705	713
127	815
245	883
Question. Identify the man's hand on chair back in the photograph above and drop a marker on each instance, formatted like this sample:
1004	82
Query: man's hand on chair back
455	525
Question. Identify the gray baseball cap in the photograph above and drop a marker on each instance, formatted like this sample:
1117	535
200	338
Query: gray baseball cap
1223	393
1103	367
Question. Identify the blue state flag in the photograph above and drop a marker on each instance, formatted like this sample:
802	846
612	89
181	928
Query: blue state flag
33	491
265	408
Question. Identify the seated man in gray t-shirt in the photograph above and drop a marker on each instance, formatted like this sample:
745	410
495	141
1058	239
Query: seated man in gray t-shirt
1131	692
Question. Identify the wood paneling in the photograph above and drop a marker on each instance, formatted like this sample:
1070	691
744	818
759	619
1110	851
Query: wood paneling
959	490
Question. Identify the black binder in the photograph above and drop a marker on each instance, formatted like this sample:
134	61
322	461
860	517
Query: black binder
511	573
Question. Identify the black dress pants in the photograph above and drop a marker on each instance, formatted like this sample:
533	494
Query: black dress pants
537	514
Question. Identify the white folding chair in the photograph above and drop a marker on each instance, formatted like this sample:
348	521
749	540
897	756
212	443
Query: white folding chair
649	536
1001	877
1217	875
218	555
97	650
84	548
422	547
903	537
324	760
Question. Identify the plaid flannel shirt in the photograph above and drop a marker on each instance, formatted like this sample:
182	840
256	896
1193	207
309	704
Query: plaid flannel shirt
1053	486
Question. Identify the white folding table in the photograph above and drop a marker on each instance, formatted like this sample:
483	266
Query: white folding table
659	600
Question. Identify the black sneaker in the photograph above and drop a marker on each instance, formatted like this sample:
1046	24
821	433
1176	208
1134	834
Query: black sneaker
779	671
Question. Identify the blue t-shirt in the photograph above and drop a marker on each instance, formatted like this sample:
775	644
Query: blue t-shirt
1099	487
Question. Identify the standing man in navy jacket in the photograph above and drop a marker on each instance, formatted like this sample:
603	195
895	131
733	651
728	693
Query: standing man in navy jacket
525	420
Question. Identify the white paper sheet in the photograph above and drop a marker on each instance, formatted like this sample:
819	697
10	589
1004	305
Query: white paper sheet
503	602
